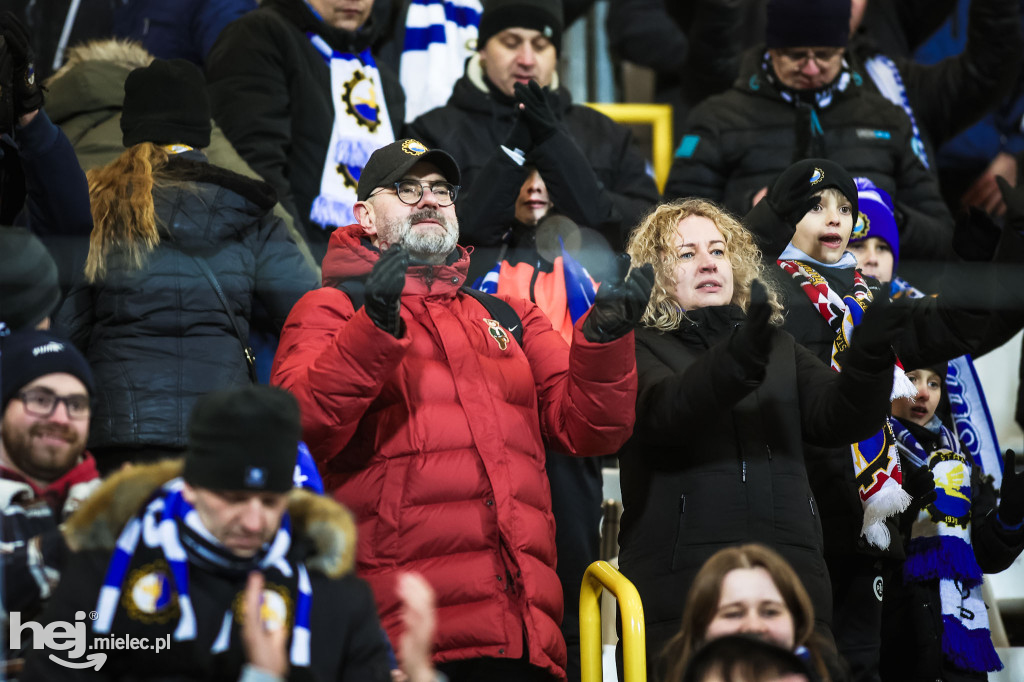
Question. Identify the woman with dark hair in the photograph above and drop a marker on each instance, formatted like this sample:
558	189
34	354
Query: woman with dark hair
725	403
181	255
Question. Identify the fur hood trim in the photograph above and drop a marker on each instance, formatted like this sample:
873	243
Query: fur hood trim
329	527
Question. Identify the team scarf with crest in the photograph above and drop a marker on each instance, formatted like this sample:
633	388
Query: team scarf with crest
440	35
940	551
160	529
361	126
876	462
972	420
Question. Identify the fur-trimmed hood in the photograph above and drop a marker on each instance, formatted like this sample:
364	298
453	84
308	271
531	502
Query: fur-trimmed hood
329	527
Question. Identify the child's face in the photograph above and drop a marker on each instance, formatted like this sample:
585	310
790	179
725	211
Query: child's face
874	258
824	231
920	409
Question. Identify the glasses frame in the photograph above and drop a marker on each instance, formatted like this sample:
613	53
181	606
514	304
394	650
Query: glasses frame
57	400
395	186
809	54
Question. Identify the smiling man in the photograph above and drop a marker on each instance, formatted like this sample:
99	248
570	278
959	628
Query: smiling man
428	407
45	471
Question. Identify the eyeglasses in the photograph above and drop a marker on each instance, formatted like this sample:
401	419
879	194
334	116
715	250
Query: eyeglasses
42	403
821	56
411	191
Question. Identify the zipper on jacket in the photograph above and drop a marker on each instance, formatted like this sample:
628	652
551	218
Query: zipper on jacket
769	449
533	280
744	471
810	501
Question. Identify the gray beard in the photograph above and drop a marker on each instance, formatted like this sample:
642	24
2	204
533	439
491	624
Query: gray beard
430	248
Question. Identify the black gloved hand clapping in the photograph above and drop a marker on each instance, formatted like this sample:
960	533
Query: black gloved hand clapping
919	484
384	290
536	111
519	137
789	196
620	302
873	338
1011	492
751	343
28	94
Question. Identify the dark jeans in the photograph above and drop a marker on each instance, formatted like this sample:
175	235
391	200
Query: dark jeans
576	504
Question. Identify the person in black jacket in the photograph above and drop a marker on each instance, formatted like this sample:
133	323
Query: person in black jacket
804	96
182	254
296	89
509	110
725	403
934	607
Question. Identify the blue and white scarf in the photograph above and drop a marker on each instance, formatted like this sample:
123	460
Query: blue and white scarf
361	126
886	76
972	420
940	550
440	35
158	528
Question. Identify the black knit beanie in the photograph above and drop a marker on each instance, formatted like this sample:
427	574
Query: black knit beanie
25	356
165	103
29	288
540	15
807	23
816	175
243	439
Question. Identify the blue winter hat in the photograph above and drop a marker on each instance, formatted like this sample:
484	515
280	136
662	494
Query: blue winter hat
876	217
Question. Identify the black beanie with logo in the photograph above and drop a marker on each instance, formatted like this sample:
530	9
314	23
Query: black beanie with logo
540	15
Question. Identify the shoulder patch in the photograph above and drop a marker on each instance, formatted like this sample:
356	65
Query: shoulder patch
869	134
687	146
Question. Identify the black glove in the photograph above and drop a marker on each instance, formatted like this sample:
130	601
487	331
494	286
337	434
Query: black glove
788	197
976	235
28	95
1014	199
384	290
881	325
6	91
1011	492
519	137
751	343
540	119
620	302
919	484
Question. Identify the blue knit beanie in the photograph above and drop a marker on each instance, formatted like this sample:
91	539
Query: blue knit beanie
876	217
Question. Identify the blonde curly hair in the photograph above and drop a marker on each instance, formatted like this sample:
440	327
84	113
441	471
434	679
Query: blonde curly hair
654	241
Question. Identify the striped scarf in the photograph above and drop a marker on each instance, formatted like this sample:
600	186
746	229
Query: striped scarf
876	462
158	527
940	551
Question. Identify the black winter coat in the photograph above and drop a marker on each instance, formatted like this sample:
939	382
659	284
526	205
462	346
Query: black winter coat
592	172
159	337
717	458
270	91
737	143
912	612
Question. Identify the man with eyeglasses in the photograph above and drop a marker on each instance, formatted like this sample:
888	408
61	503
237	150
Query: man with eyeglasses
428	408
45	470
802	95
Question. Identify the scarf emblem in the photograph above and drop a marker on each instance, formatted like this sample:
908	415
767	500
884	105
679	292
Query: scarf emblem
360	99
876	462
149	595
952	476
497	333
275	608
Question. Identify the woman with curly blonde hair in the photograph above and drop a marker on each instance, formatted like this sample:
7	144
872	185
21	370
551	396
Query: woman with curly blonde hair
725	402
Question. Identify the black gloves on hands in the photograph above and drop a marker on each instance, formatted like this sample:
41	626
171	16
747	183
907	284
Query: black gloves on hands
751	343
28	95
384	290
919	484
536	111
881	325
1011	493
976	235
519	137
620	302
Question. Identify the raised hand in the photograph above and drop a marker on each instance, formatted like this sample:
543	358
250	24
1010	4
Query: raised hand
384	290
620	302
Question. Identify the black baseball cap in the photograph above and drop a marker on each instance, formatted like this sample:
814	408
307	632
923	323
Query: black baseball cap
390	163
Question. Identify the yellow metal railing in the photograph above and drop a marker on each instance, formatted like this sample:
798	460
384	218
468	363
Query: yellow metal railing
598	577
659	117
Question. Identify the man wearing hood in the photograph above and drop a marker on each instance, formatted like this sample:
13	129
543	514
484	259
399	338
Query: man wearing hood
429	417
297	90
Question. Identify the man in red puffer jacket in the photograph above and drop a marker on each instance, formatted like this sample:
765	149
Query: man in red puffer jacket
429	417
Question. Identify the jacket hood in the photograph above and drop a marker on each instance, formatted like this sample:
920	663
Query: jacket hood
351	255
297	13
87	87
328	526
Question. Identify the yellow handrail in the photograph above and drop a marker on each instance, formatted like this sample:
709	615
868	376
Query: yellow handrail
600	576
659	117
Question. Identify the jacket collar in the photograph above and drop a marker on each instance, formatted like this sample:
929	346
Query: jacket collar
56	492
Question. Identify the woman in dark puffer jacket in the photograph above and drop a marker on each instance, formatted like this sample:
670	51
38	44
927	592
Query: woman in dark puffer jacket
170	229
725	401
